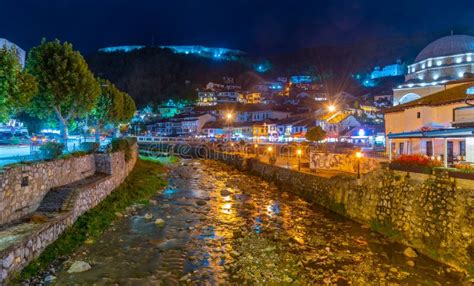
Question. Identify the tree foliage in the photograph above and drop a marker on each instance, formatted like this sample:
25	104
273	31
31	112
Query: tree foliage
67	88
315	134
16	85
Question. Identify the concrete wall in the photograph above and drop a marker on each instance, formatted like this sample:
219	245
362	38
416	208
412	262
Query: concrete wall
433	214
23	187
23	251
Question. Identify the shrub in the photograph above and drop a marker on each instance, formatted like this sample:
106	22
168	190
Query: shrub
89	147
415	163
416	160
464	167
51	150
125	145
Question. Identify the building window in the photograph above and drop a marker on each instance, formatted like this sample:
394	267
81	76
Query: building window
418	114
462	148
429	148
400	148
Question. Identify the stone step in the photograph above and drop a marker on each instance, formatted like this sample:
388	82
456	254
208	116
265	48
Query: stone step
58	199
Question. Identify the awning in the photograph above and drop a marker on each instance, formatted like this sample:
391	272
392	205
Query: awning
441	133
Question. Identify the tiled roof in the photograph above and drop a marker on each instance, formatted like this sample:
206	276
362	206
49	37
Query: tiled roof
450	95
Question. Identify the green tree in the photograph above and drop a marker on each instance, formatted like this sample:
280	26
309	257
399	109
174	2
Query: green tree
129	109
315	134
16	85
67	88
109	107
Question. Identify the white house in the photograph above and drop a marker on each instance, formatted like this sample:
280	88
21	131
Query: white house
440	125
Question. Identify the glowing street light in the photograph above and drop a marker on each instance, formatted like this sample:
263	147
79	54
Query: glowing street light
331	108
256	150
270	154
358	155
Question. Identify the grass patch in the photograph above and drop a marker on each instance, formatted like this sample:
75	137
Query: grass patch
143	182
162	160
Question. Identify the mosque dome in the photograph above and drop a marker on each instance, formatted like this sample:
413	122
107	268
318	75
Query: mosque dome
447	46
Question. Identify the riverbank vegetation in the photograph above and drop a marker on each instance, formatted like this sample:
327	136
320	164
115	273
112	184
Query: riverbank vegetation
145	180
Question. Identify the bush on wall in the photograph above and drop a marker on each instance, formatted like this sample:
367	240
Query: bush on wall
125	145
51	150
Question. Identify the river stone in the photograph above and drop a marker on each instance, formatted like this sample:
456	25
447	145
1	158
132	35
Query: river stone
148	216
201	202
79	266
409	252
225	193
49	278
159	222
169	244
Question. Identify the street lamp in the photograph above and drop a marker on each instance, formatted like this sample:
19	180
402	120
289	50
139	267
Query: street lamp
331	108
359	155
299	152
256	150
270	153
228	117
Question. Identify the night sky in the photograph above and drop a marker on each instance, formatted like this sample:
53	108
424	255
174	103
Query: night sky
255	26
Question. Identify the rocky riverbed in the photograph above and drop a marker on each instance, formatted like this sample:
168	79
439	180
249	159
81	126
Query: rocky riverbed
215	225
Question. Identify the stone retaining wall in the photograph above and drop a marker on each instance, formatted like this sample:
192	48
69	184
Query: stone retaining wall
19	254
22	187
434	214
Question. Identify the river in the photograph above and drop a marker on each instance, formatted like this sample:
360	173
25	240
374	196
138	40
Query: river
222	226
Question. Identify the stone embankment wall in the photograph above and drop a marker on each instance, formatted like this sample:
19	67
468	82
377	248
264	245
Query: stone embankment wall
22	187
432	213
84	197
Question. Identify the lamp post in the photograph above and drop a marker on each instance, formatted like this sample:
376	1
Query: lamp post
232	148
229	120
270	153
359	155
256	150
299	152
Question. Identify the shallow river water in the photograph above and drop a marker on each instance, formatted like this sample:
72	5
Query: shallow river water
226	227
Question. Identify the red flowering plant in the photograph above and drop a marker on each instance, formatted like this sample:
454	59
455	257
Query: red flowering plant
416	162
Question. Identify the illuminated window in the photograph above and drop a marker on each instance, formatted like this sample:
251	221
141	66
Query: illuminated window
470	90
439	62
435	76
460	74
423	66
469	58
458	60
430	63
